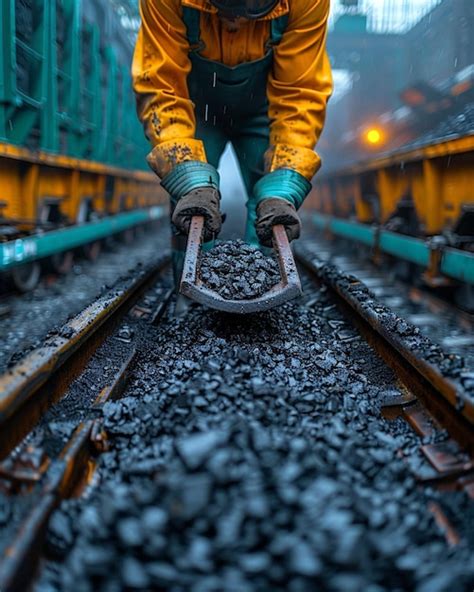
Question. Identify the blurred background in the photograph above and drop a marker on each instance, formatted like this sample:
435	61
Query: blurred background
404	76
404	73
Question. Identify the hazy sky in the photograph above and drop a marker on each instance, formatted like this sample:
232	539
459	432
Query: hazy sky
403	12
415	2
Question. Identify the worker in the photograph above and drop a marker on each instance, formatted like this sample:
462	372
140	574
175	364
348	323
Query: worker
251	72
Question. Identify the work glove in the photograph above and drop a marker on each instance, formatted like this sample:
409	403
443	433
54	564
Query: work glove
273	211
203	201
194	190
278	195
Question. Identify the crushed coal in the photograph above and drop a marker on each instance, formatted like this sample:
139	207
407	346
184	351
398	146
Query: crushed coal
454	125
238	271
249	455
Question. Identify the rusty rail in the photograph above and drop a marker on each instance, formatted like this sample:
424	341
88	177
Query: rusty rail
441	392
42	376
59	480
30	388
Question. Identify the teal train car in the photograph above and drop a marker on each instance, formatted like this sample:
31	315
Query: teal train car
72	151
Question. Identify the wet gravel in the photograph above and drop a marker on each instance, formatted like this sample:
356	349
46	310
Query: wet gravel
238	271
31	316
250	454
450	366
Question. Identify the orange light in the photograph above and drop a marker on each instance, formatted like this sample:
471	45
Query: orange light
413	97
373	136
461	88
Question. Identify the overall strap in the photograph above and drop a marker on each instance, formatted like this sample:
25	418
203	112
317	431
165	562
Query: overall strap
277	28
192	20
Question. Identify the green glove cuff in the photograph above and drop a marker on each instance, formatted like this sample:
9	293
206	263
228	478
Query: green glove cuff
284	184
190	175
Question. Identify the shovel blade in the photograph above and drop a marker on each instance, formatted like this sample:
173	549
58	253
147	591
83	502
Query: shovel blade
191	285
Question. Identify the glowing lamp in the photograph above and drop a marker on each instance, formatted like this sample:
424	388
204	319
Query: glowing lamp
373	136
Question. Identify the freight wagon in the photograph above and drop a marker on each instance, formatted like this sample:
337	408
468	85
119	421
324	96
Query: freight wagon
416	205
72	152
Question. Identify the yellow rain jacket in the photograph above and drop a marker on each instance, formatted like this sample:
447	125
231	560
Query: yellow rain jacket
298	87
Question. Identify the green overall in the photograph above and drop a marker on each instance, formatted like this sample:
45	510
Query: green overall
231	105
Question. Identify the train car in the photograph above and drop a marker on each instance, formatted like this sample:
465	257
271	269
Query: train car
415	204
72	151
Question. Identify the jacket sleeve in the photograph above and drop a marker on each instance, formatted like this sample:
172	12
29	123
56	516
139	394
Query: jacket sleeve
160	68
298	90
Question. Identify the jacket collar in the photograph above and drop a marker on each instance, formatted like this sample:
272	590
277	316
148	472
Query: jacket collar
280	9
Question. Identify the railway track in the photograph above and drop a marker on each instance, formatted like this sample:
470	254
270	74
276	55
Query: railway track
43	379
26	320
207	452
441	379
393	285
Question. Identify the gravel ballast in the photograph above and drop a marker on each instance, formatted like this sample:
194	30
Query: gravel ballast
37	313
250	454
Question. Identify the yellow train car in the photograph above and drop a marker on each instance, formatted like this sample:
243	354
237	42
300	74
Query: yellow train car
416	205
436	181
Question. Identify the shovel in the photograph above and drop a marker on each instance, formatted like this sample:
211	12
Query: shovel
192	286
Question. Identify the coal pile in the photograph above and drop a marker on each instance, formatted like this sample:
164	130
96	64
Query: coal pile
451	366
453	126
238	271
250	455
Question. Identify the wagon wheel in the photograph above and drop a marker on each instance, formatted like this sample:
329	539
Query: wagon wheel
127	237
26	277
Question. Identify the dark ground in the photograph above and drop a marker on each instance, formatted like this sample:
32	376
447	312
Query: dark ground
250	454
247	454
47	307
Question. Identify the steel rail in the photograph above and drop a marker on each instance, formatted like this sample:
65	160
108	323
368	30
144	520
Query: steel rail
441	391
61	479
42	376
72	470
